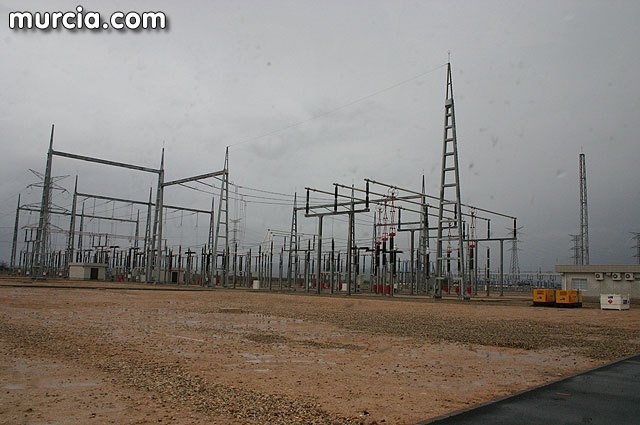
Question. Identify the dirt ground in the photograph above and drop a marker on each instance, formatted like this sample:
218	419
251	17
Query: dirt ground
71	356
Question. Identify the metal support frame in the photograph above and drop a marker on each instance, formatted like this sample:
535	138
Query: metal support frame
319	257
44	214
212	238
103	161
70	213
351	230
72	224
154	235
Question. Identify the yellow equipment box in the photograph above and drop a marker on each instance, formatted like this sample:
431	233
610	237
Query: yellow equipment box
543	297
568	298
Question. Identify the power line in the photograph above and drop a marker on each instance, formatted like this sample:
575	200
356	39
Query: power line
331	111
289	196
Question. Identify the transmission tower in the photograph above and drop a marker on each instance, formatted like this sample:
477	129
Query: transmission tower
514	270
584	216
636	237
449	195
575	239
53	185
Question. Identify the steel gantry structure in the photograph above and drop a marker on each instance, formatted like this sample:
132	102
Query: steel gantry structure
384	251
154	249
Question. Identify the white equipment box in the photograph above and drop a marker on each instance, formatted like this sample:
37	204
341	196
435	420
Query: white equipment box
614	302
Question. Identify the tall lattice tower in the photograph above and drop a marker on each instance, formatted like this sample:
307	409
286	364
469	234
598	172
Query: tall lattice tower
514	270
222	236
584	216
292	264
450	195
636	237
575	249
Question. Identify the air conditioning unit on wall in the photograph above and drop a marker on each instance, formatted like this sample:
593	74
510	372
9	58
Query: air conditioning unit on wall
616	276
628	276
599	276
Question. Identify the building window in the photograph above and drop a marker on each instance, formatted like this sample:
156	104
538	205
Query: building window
579	284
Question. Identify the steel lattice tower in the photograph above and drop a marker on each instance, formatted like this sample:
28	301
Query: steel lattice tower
584	216
223	220
514	270
575	239
40	250
450	195
293	244
636	237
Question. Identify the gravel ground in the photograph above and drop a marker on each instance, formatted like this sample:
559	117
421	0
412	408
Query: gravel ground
528	329
244	357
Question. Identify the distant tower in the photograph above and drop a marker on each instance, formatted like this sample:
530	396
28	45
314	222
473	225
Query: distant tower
514	270
636	237
584	216
575	240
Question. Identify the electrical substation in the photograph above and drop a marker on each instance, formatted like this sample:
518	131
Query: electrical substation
421	244
303	213
385	240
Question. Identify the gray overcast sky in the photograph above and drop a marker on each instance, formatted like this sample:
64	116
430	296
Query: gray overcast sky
535	82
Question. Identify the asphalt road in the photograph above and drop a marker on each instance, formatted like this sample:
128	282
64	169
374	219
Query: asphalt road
607	395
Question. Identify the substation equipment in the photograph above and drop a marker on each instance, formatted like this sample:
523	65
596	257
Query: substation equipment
443	234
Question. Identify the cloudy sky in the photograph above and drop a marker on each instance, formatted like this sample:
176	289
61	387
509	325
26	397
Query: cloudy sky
311	93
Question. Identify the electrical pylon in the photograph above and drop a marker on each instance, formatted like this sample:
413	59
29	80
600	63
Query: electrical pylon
636	237
575	239
450	195
514	270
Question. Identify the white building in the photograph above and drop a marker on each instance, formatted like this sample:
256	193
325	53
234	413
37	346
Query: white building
87	271
596	279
